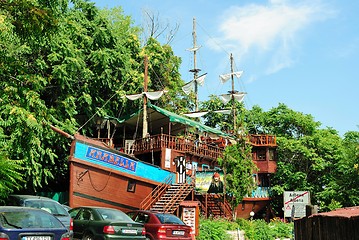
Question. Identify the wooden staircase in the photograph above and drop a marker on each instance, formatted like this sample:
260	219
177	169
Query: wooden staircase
166	198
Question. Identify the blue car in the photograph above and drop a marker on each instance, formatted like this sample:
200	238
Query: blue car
48	204
30	224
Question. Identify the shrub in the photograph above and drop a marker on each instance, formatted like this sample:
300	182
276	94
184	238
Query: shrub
254	230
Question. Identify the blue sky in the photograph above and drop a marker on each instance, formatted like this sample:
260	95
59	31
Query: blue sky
304	54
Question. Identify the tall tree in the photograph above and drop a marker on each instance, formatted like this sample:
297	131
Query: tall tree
63	65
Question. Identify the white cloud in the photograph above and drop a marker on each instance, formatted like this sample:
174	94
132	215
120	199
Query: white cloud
270	31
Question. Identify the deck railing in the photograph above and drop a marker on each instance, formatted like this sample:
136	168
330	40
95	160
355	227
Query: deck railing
263	140
156	142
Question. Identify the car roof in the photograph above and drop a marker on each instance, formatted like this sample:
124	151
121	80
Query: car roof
20	208
153	212
24	197
97	207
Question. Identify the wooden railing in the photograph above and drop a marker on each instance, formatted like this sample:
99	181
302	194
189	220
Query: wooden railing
156	194
178	143
181	194
263	140
215	205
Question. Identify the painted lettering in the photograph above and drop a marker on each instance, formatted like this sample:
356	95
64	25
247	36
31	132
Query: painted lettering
111	158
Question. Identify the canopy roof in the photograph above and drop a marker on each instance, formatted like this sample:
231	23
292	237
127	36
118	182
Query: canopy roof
163	121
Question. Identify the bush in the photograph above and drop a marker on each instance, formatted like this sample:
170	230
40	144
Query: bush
254	230
210	229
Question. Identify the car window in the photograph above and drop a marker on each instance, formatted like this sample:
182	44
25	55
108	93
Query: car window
29	219
131	214
111	214
169	219
142	218
85	215
50	206
74	212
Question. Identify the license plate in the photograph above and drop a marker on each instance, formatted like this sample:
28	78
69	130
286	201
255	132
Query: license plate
129	231
36	238
179	233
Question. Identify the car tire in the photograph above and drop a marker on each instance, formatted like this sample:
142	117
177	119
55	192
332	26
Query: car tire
148	238
88	237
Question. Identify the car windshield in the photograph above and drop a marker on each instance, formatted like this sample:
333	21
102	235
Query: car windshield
111	214
28	219
50	206
169	219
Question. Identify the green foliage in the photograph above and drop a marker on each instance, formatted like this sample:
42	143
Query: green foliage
62	65
254	230
10	175
309	158
224	122
238	167
212	230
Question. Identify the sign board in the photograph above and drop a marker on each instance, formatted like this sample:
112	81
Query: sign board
295	203
204	180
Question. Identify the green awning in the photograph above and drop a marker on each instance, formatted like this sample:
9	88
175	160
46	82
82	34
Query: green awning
159	119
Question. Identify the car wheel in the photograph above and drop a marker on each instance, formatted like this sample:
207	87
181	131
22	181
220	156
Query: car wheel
88	237
148	238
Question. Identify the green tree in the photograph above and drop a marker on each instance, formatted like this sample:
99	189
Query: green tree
238	167
65	65
309	158
343	188
10	177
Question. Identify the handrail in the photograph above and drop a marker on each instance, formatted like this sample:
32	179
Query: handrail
179	195
263	140
178	143
177	198
156	194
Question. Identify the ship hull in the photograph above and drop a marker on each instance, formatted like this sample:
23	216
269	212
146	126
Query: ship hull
101	176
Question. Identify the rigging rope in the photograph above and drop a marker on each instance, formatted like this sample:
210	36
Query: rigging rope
95	113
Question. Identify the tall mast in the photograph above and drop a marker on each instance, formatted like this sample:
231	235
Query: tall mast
233	100
145	125
195	70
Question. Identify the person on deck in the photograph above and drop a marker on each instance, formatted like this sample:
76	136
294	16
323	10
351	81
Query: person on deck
216	184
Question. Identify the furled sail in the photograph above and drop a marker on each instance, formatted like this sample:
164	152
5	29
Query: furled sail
225	77
150	95
201	114
237	96
194	49
190	85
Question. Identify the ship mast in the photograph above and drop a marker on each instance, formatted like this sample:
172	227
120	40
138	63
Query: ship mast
195	70
232	93
145	86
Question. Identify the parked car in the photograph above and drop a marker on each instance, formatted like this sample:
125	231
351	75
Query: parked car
30	223
48	204
164	226
105	223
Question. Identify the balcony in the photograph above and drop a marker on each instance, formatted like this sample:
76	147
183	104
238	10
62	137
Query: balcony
263	140
201	148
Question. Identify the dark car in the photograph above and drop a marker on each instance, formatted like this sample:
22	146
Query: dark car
164	226
105	223
48	204
30	224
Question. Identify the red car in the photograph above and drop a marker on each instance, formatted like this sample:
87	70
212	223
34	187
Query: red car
163	226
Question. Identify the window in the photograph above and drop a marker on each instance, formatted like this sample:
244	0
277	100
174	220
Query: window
271	154
205	166
131	186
